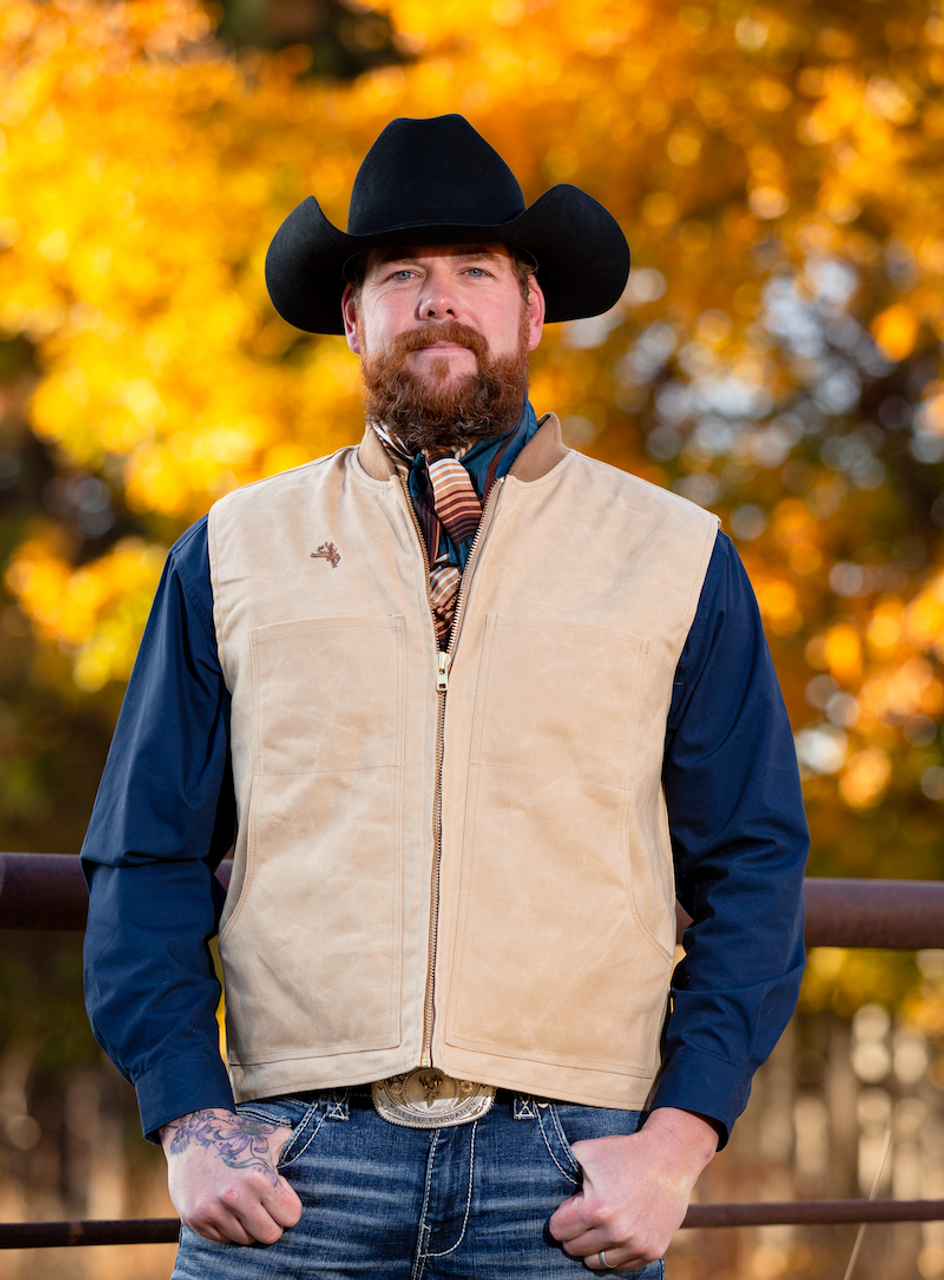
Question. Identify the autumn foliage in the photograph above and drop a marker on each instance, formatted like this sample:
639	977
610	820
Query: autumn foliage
776	357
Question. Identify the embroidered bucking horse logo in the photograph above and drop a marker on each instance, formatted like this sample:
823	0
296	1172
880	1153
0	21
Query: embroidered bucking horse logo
327	551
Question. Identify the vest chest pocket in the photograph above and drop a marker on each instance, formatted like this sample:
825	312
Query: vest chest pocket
327	695
559	697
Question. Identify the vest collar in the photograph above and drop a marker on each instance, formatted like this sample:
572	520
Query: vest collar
542	452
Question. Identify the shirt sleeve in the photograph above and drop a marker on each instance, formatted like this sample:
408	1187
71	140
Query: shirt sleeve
162	822
740	840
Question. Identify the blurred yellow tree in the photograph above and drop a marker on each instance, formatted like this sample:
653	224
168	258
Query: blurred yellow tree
776	356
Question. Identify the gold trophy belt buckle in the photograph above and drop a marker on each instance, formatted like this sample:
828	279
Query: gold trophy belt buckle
428	1099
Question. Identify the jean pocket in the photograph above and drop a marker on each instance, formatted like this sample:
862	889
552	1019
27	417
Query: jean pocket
576	1123
289	1113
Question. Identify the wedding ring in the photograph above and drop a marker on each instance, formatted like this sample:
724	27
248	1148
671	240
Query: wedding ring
603	1262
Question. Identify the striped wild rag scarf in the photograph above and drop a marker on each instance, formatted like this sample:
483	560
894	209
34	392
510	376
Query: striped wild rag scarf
445	501
448	505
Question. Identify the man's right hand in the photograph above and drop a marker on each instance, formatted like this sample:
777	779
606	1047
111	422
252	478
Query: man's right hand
221	1170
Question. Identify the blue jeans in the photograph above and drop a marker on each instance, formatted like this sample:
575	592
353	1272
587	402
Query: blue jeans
389	1203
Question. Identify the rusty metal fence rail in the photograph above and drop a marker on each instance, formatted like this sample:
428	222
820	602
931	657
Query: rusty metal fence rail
47	891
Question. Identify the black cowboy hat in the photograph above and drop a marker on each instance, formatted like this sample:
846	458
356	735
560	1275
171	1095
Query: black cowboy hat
439	182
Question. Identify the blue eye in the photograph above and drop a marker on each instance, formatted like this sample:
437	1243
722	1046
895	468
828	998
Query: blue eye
477	271
403	274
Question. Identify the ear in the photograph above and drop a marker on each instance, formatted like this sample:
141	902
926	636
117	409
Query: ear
536	308
349	313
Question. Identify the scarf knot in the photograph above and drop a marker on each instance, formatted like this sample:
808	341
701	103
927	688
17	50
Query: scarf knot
447	488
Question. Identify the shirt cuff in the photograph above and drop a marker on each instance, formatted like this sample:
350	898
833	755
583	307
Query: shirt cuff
709	1086
194	1082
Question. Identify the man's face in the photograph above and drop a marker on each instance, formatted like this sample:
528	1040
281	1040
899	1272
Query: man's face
405	289
443	333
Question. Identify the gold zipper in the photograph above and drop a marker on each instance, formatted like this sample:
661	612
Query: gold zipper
443	663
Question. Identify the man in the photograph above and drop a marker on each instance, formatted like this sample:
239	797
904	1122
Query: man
477	708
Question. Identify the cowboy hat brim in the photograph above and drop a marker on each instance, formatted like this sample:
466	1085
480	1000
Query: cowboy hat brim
581	254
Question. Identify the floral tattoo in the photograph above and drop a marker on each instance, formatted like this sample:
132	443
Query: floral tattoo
241	1143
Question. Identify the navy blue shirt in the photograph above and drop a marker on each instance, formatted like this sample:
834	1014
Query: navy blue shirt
165	817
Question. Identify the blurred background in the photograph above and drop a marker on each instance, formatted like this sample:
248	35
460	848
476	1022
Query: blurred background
777	357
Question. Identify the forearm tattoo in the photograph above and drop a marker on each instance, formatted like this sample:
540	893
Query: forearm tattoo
239	1142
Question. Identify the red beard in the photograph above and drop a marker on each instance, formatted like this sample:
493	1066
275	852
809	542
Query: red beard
433	411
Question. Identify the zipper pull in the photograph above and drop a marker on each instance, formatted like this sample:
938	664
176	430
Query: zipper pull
442	671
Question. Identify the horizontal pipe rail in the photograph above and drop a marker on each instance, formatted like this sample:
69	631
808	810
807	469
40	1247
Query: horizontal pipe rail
900	915
61	1235
47	891
53	1235
812	1213
42	891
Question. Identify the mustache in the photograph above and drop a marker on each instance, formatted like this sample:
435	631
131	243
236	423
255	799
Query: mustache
439	331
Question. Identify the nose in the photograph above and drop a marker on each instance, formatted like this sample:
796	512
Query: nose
438	298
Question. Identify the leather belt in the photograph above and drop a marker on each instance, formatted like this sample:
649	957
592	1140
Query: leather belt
426	1098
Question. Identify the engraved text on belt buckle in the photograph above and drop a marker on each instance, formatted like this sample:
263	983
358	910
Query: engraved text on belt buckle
428	1099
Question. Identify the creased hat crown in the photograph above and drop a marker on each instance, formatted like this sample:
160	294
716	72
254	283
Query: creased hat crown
427	172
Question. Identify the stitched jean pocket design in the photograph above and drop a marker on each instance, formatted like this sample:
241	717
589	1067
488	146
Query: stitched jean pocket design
305	1133
558	1148
572	1122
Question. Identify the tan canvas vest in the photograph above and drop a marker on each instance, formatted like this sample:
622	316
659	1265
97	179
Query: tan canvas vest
532	946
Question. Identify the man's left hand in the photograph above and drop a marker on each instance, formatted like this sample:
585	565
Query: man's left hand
635	1190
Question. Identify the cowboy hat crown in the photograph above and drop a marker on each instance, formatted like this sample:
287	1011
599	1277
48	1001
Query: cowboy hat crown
438	181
